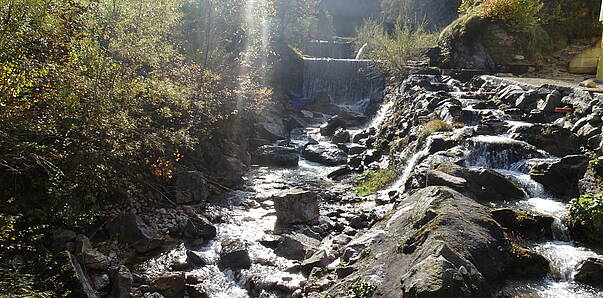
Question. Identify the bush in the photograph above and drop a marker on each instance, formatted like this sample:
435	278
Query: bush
586	214
429	128
371	181
518	15
394	51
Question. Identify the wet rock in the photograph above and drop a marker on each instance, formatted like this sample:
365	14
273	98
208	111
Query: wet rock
511	94
121	282
191	186
132	230
270	241
489	185
483	184
226	170
529	226
329	128
560	176
527	101
153	295
198	227
296	206
527	264
197	259
438	178
340	136
319	259
276	156
356	149
77	280
588	130
441	143
551	101
329	155
234	254
170	285
553	139
590	272
341	171
296	246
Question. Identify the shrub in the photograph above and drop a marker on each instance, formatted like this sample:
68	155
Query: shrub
518	15
429	128
371	181
586	213
363	289
394	51
467	5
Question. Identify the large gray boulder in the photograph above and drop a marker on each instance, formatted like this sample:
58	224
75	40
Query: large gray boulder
329	155
590	272
234	254
199	227
561	176
296	206
296	246
130	229
279	156
439	243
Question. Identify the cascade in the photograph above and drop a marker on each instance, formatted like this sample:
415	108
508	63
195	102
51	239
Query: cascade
361	51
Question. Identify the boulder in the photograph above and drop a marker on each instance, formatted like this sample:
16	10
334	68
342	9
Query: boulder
279	156
441	143
272	127
527	225
446	245
319	259
93	259
170	285
553	139
197	259
489	185
329	128
296	206
482	184
438	178
560	176
121	281
133	231
341	171
550	102
296	246
191	186
198	227
329	155
590	272
340	136
356	149
527	101
234	255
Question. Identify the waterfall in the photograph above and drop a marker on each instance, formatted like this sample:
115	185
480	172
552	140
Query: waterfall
361	51
345	81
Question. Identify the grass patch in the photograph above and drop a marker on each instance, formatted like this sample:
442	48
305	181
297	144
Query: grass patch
363	289
430	128
371	181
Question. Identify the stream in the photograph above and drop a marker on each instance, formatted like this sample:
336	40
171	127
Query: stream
247	215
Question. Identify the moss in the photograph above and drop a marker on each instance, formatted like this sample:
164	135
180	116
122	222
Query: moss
371	181
430	128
